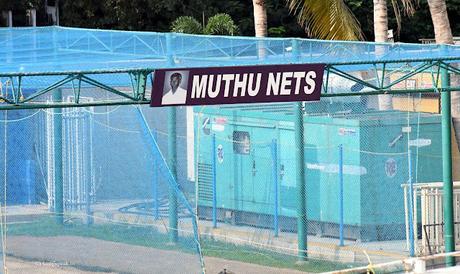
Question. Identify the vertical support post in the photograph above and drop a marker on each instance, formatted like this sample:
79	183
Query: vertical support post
301	184
58	175
449	241
4	177
10	18
172	153
172	156
89	218
156	212
89	173
30	179
300	170
295	50
33	16
214	187
411	202
341	194
275	186
57	12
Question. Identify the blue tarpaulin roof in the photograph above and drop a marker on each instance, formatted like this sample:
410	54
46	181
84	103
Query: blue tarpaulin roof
63	49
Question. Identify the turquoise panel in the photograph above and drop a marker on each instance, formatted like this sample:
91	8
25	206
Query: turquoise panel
375	163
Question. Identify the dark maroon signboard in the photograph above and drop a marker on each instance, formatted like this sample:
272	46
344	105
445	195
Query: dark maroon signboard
235	85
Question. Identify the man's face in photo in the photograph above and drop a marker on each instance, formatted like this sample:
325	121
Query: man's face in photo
175	82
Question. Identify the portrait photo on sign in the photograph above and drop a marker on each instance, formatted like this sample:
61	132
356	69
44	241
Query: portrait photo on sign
175	87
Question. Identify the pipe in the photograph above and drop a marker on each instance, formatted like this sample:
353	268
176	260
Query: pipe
214	187
10	18
300	169
449	241
58	176
411	203
341	194
301	184
156	210
275	186
172	153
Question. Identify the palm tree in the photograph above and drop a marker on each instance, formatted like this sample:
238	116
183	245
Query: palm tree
186	24
442	30
260	18
443	35
219	24
380	21
385	102
326	19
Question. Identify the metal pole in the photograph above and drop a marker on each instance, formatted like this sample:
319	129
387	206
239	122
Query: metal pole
300	171
449	240
33	16
58	176
10	18
155	181
275	186
341	194
57	12
3	201
30	180
172	153
214	187
411	203
172	156
300	180
89	173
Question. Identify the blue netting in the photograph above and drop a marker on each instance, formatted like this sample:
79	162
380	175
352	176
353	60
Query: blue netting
60	49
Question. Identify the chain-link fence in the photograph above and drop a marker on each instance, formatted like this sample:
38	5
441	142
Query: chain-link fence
226	197
105	169
358	161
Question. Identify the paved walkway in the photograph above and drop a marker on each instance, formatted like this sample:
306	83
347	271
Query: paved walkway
95	255
18	266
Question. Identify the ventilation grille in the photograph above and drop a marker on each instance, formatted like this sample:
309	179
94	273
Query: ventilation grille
204	182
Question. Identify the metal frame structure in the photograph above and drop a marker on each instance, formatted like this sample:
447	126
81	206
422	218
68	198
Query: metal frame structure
138	54
137	93
142	53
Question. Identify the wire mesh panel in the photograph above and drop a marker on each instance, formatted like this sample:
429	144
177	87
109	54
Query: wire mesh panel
236	188
356	160
131	189
107	172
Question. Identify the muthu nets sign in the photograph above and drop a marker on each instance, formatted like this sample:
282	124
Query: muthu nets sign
234	85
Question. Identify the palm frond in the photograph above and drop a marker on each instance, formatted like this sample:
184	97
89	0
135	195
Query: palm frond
186	24
221	24
326	19
408	7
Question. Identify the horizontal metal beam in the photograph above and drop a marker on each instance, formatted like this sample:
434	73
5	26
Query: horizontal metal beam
70	104
139	76
390	92
144	69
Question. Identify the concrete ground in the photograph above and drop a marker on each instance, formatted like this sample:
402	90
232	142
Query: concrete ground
319	247
21	266
69	254
447	270
286	243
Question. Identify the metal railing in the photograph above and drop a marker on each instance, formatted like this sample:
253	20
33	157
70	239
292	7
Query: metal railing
428	218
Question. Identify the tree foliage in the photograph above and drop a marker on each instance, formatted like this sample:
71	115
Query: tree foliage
221	24
157	15
327	19
186	24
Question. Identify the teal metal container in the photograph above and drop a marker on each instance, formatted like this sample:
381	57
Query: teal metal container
375	164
